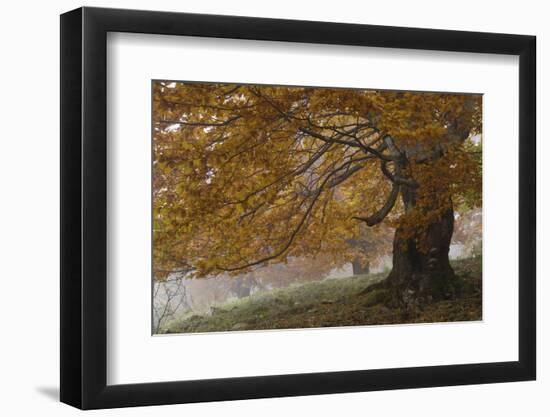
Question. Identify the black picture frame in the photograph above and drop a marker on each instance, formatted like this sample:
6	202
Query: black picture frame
84	207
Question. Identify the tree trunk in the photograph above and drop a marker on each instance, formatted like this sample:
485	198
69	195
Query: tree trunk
422	272
241	287
359	268
419	275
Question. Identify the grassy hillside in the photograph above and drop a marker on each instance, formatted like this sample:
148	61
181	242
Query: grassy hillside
334	302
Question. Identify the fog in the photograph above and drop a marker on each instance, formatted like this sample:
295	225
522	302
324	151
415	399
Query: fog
182	295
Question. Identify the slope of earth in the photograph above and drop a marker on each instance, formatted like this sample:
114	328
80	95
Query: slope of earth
334	303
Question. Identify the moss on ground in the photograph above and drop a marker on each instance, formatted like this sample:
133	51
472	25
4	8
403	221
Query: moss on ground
335	303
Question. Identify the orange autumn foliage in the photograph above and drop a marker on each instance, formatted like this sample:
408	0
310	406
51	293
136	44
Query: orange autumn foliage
248	175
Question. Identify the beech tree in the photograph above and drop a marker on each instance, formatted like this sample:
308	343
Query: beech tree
248	175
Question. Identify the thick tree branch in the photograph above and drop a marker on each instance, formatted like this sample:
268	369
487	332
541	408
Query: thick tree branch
384	211
327	139
396	178
205	124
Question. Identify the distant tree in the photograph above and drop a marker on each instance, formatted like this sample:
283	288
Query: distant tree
468	231
369	247
246	176
295	270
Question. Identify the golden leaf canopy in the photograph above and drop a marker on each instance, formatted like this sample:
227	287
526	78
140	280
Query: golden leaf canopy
246	175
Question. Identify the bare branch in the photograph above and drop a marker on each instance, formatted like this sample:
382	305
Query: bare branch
293	235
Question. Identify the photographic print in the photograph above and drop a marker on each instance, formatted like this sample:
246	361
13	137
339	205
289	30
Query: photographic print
292	207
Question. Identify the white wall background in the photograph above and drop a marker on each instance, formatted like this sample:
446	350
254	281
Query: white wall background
29	177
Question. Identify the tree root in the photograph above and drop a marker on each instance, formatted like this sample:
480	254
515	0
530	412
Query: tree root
412	296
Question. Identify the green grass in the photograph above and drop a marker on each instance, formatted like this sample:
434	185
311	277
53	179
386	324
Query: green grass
335	302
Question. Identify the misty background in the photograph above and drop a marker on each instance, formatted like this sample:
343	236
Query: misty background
180	295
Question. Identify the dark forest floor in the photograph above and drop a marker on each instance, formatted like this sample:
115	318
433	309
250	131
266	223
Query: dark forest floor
335	303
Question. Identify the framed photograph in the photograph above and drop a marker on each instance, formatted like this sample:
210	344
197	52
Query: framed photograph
257	208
